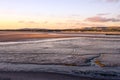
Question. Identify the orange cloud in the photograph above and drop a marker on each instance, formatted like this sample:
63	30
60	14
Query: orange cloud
45	22
28	22
21	22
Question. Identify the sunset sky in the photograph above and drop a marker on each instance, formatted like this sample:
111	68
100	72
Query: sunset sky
58	14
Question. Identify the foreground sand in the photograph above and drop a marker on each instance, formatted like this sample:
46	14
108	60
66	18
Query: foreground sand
39	76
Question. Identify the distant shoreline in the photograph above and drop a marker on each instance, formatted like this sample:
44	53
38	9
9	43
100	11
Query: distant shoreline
93	32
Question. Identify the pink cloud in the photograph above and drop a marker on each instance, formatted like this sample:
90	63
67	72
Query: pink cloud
118	16
103	14
88	24
102	19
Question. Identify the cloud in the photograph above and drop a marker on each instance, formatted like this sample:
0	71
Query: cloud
45	22
88	24
27	22
108	1
112	1
60	23
21	21
118	16
75	15
103	14
102	19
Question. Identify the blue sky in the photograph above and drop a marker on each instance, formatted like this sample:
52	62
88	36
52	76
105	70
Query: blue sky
57	11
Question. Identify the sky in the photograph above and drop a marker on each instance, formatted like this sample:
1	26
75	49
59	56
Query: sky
58	14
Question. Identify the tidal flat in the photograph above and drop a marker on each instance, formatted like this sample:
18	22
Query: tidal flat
82	55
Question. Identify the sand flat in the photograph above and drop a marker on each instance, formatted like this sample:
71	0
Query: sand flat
73	55
17	36
6	36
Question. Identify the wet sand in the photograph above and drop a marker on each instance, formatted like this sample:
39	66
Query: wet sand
39	76
6	36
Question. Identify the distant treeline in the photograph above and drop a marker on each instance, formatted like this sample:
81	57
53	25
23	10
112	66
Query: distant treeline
100	29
